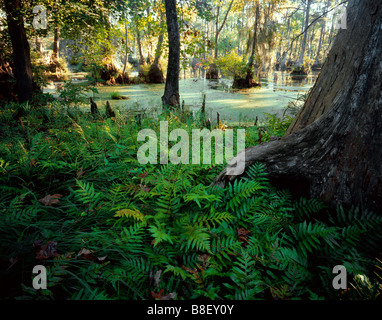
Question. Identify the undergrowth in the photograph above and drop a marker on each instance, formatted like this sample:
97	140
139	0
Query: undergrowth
74	198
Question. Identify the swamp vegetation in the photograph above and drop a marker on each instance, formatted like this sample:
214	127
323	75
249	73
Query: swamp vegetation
74	98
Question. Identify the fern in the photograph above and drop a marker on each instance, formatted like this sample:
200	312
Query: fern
87	194
195	238
246	278
239	191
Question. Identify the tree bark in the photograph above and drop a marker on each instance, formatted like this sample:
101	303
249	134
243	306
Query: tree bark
171	91
21	50
334	148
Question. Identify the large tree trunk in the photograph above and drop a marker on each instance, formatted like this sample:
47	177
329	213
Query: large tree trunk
171	91
21	50
334	148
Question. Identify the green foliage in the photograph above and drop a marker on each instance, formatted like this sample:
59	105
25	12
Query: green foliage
232	65
125	230
115	95
72	94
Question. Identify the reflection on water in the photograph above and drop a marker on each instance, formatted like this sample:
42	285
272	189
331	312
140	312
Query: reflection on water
281	81
233	106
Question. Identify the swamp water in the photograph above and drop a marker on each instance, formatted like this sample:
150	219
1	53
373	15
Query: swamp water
234	107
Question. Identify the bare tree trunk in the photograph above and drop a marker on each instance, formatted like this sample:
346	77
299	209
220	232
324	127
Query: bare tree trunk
126	55
142	60
317	61
155	72
283	64
249	81
21	50
171	91
219	29
334	148
278	53
311	42
38	44
305	37
56	44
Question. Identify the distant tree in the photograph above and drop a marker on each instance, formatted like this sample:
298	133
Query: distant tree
155	72
300	61
171	92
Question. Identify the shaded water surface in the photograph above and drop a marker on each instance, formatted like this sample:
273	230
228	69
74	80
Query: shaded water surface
234	106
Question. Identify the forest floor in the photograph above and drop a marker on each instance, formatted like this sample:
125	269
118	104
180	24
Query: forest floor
75	198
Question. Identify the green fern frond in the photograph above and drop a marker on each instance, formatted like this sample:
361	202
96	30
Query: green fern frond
240	191
87	194
193	237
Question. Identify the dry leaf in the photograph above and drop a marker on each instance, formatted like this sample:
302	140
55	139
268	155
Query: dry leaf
157	277
243	234
80	173
88	255
144	188
142	175
50	200
205	258
160	296
49	250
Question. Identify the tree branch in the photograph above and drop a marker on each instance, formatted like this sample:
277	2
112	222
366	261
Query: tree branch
225	18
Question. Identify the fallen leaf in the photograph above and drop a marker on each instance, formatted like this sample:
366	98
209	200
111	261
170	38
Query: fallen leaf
157	277
160	296
142	175
194	273
80	173
49	250
32	163
243	234
205	258
144	188
50	200
88	255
